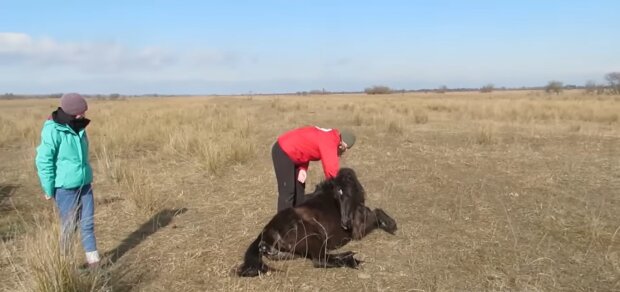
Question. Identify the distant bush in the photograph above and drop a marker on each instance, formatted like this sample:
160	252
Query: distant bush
554	87
614	82
318	91
7	96
487	88
378	89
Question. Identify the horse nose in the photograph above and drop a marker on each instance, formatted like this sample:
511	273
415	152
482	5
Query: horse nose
262	247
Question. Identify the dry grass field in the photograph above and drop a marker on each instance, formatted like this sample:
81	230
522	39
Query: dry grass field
504	191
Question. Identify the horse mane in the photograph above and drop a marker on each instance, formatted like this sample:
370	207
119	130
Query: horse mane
345	181
325	187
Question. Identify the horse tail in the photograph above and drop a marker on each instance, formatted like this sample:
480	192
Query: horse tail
253	260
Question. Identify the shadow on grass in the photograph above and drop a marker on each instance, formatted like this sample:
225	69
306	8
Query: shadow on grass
158	221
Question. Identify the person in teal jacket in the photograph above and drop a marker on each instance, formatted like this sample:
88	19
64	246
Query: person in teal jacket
65	172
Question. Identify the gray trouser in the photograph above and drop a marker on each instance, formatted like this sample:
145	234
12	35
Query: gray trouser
290	190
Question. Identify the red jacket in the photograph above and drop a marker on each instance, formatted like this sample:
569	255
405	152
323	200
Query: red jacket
312	143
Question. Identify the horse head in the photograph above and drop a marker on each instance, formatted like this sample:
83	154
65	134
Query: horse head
350	195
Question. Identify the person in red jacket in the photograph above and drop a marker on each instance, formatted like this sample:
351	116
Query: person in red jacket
293	152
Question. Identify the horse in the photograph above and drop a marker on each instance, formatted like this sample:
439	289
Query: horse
332	216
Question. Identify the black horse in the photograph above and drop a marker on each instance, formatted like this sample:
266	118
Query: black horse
333	215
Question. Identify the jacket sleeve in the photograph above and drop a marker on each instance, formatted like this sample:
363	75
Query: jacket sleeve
46	161
329	160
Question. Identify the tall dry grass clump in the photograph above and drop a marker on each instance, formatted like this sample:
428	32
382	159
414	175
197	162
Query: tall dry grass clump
139	187
358	120
46	266
420	117
538	110
218	137
9	131
211	136
139	153
395	126
21	126
486	134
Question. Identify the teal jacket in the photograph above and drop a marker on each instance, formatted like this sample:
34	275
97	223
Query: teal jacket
62	158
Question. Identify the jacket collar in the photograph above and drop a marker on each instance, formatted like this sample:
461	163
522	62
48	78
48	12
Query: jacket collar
68	122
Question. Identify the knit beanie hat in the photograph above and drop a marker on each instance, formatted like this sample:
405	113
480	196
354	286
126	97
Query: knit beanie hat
347	137
73	103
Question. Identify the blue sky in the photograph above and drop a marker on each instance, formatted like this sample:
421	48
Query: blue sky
205	47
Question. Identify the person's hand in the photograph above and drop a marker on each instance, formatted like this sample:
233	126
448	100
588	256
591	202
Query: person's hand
46	197
301	177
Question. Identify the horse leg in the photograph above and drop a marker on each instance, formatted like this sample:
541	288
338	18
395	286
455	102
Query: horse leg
346	258
387	223
343	254
253	263
336	261
322	259
276	254
280	249
366	221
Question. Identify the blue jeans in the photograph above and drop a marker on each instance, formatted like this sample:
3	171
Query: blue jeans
77	206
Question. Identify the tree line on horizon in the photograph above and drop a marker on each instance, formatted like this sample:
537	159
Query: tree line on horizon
554	86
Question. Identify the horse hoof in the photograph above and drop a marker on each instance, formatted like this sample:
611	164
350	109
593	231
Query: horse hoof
354	263
388	224
248	273
251	271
